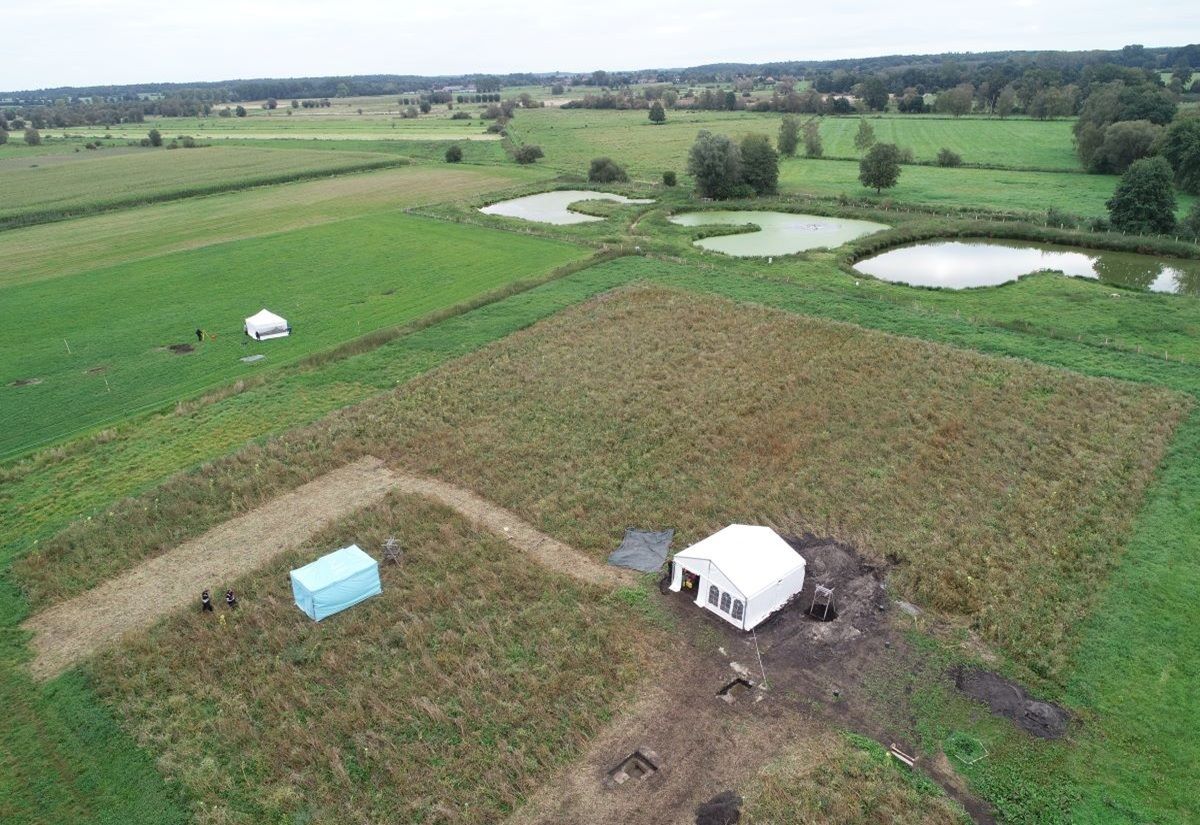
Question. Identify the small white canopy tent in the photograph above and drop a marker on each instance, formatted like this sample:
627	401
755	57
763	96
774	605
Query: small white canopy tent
265	324
743	573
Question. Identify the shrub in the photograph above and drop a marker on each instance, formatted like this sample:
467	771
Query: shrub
454	154
906	154
789	135
461	115
187	142
669	179
496	128
155	137
948	157
657	113
812	140
32	136
240	111
425	107
1059	218
605	170
528	153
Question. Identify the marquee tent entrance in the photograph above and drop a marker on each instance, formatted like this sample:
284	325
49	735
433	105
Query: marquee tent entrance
743	573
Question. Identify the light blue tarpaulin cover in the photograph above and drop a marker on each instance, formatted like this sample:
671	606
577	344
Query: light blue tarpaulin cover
335	581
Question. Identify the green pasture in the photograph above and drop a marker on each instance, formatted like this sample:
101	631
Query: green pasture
92	181
333	283
66	247
573	137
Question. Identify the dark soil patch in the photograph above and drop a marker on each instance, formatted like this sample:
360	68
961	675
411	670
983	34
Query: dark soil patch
25	382
723	809
1042	719
181	349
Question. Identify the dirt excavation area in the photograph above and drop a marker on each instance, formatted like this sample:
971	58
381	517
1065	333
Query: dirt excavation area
726	703
70	631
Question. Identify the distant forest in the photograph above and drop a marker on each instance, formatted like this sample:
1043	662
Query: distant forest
904	76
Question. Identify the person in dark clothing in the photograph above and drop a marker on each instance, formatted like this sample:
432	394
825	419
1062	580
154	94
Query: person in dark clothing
200	335
257	335
206	602
230	599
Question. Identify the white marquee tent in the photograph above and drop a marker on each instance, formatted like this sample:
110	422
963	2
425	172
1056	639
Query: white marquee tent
265	324
743	573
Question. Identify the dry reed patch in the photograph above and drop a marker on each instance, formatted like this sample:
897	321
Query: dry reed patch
832	780
445	699
1003	490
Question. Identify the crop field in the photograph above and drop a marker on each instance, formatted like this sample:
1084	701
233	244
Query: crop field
333	283
64	248
91	182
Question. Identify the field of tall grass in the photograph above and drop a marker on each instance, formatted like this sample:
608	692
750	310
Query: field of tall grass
38	189
445	699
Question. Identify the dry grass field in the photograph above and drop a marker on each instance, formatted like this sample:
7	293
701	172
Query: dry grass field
445	699
990	484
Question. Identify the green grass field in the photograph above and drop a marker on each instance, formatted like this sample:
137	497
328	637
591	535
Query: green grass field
333	283
36	187
64	248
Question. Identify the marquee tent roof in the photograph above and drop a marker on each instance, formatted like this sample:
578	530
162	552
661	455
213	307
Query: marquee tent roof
266	324
335	581
753	558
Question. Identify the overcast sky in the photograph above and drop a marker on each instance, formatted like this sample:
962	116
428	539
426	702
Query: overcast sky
89	42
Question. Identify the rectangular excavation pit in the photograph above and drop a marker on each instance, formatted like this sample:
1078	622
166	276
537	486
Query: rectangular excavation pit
737	689
639	765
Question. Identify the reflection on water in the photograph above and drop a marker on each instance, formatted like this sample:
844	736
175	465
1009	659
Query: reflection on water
781	233
963	264
551	207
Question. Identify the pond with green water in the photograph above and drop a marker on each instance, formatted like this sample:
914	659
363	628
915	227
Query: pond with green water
779	233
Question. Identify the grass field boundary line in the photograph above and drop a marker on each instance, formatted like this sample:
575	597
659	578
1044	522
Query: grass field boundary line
198	396
56	215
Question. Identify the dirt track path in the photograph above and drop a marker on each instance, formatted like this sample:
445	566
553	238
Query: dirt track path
75	629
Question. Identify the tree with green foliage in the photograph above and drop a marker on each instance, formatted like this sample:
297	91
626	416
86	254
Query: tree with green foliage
528	153
880	167
657	113
1124	142
669	178
32	136
812	139
155	137
606	170
1006	102
454	154
864	138
760	164
240	111
716	164
875	94
789	135
1191	224
1144	201
1181	148
956	101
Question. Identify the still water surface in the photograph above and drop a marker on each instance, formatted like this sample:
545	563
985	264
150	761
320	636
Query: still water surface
781	233
988	262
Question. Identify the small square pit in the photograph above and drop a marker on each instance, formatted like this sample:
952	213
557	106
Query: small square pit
637	767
